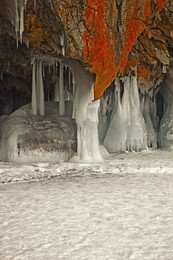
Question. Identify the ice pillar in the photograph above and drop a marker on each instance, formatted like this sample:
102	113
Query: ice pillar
34	91
127	128
41	106
86	114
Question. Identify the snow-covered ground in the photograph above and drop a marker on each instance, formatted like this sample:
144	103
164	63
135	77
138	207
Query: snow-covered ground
156	161
121	209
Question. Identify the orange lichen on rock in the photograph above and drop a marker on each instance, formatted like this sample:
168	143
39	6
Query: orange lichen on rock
34	29
99	49
143	73
138	14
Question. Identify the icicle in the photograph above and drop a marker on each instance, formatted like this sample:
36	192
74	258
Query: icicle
56	91
62	44
35	5
41	107
16	20
164	69
34	90
69	80
61	90
25	3
21	19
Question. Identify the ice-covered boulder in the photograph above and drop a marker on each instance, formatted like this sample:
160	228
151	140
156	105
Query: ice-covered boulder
28	138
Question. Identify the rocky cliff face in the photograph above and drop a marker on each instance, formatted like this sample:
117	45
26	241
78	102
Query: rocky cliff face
110	38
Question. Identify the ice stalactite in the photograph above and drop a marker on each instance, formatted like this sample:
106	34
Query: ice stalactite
61	91
41	107
34	90
62	44
166	124
20	6
37	102
86	114
35	4
127	128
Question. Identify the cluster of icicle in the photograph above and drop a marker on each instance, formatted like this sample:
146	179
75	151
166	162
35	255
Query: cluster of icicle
39	65
20	6
15	12
127	130
84	110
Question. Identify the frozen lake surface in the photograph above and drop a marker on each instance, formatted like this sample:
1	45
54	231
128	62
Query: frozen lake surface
119	210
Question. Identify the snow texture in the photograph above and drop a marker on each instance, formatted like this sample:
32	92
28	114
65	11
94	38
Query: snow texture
118	210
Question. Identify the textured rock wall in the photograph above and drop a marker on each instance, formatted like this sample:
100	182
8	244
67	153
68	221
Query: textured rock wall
110	37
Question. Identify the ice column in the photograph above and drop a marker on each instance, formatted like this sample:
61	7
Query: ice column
166	124
149	113
116	136
37	102
137	137
61	90
127	128
41	106
34	91
56	91
86	114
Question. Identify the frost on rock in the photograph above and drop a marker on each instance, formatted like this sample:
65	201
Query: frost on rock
127	130
166	124
86	114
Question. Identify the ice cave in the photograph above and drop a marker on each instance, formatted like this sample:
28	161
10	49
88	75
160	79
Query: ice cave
78	84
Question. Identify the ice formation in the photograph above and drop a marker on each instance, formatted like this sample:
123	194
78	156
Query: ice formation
149	112
37	103
127	129
61	92
166	124
86	114
107	103
62	79
20	6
